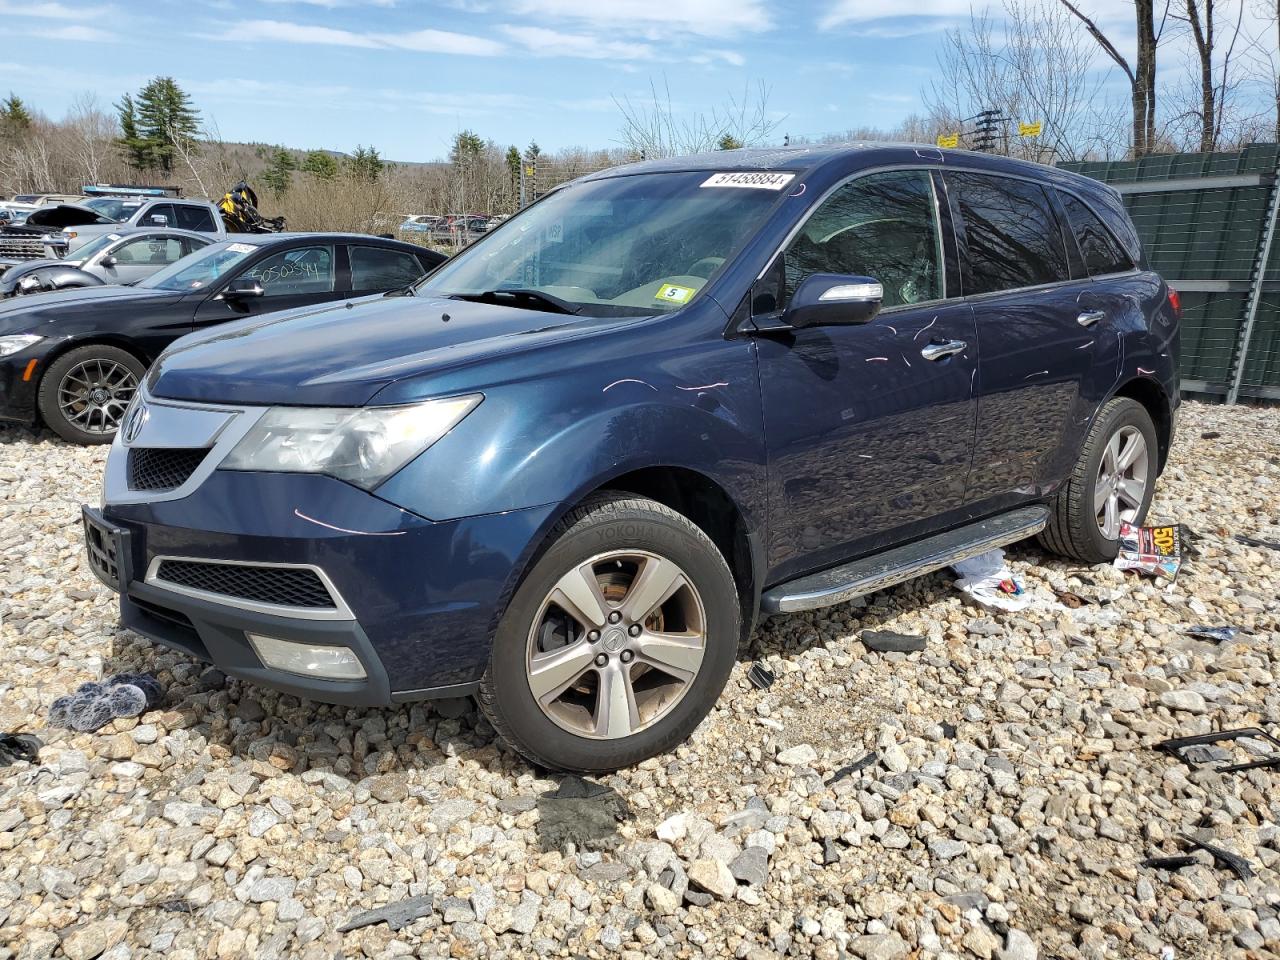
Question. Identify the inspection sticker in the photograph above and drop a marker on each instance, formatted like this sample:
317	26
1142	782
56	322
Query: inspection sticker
753	181
241	248
673	294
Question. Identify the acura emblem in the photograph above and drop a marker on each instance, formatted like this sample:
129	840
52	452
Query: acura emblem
137	419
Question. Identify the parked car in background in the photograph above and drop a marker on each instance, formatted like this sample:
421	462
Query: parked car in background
569	472
423	223
124	257
53	232
74	358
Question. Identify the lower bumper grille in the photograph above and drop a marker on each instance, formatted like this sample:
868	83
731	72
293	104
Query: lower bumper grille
299	587
161	469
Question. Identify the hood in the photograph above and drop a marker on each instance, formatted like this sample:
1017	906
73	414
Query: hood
65	215
27	314
343	354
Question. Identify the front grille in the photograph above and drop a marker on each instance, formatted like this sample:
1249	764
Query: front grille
285	586
21	249
160	468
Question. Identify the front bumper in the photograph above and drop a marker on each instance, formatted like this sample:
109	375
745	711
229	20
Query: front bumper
417	601
19	381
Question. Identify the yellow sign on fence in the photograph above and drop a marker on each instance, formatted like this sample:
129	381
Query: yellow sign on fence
948	139
1029	129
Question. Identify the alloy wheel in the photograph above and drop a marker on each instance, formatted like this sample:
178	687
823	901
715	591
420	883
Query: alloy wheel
94	394
616	644
1121	485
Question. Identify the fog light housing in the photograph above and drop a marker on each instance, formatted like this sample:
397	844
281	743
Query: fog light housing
307	659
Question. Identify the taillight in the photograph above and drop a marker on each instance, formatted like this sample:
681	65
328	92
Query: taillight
1175	301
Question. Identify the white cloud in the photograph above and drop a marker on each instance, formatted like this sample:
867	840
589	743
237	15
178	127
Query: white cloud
50	11
862	11
704	18
75	32
554	43
731	57
423	41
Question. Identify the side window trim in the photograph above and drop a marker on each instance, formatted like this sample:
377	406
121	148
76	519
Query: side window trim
1120	245
1075	256
794	232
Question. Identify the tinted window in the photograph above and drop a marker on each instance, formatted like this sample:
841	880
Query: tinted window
149	251
195	218
882	226
376	268
1012	233
159	210
295	272
1101	251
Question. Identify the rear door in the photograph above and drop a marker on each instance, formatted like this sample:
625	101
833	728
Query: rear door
377	269
868	439
195	217
296	277
1035	353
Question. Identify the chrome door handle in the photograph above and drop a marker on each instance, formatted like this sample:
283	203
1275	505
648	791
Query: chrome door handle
937	351
1090	317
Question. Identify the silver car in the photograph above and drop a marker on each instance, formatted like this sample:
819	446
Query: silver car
123	256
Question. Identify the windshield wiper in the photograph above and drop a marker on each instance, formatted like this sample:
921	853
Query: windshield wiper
524	298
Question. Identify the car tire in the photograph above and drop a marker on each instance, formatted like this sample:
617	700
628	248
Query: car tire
1081	523
624	706
84	393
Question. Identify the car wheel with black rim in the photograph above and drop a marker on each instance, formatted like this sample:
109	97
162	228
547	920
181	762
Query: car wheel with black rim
85	392
1112	484
617	643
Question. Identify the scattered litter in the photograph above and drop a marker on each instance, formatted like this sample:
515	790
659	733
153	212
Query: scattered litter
1185	748
1258	542
177	905
989	582
1170	863
1216	634
869	760
1210	435
1156	551
394	915
761	677
1224	858
1072	600
94	705
18	746
886	641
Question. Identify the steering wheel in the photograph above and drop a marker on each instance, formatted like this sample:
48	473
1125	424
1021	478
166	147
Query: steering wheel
704	267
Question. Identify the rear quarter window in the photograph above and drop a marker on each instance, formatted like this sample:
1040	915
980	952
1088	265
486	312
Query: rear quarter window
1101	251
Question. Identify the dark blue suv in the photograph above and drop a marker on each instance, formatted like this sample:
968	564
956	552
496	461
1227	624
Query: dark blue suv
567	471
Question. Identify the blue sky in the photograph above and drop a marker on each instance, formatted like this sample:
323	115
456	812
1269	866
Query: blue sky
405	75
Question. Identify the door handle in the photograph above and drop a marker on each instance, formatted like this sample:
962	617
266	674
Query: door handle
939	351
1089	317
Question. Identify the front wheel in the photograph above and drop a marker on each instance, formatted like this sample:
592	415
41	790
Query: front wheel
618	642
85	392
1112	484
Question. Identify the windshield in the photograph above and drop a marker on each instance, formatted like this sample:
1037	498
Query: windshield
622	246
200	269
94	246
111	208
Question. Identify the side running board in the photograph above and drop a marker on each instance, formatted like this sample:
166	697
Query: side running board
849	580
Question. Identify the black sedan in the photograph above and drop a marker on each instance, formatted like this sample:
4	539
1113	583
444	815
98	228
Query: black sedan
74	358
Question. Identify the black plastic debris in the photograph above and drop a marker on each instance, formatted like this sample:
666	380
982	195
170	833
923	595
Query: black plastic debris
886	641
1210	435
177	905
1258	542
18	746
1224	858
580	812
1184	748
1216	634
1170	863
869	760
94	705
761	677
394	915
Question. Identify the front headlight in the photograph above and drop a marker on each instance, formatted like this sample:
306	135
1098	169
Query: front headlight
11	345
362	445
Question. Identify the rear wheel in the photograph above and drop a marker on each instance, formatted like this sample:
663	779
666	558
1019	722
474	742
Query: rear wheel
84	393
617	643
1112	484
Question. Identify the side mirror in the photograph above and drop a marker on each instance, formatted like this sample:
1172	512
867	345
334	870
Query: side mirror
826	299
244	289
159	220
108	261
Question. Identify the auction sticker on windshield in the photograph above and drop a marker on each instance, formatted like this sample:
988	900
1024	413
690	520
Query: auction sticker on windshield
674	294
241	248
753	181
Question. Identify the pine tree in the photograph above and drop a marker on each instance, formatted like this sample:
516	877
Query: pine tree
165	118
729	142
279	172
320	165
365	164
130	141
467	147
15	118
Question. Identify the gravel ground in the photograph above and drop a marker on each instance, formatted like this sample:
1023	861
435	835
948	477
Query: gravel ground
1012	799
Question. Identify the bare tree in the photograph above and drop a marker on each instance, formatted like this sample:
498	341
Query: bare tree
656	128
92	132
1214	87
1142	75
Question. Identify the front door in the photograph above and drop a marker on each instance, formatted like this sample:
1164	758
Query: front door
295	277
138	259
869	427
